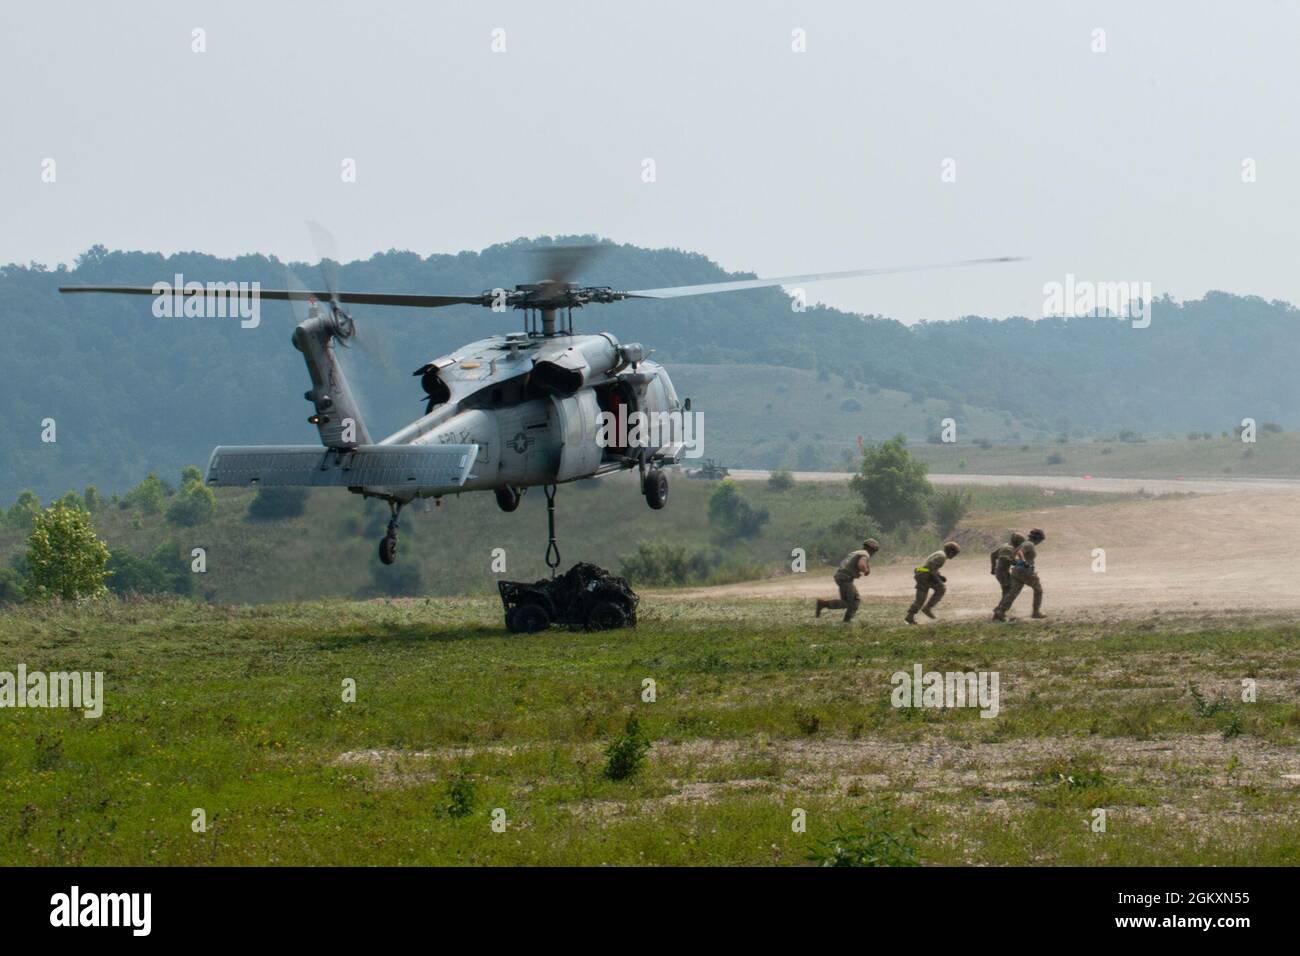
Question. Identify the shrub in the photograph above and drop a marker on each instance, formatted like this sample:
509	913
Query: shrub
194	505
731	515
663	564
878	842
780	481
1056	458
277	504
148	495
460	797
165	571
623	757
947	508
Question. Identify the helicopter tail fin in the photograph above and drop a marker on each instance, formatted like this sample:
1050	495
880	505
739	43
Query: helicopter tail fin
337	416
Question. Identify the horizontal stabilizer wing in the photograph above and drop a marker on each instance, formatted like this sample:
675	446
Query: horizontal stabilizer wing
372	466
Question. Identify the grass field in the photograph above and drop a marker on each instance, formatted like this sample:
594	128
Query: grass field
760	711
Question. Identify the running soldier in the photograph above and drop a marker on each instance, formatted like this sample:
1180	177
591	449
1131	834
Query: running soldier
855	565
930	581
1022	574
1000	559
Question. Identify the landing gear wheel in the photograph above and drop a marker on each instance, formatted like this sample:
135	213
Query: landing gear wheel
508	498
655	488
605	616
529	618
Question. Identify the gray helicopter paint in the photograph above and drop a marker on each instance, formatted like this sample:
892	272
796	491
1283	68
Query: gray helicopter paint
406	467
330	394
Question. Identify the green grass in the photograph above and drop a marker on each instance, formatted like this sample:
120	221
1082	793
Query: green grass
760	711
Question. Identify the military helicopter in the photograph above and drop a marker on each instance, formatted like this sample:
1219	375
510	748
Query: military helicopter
503	414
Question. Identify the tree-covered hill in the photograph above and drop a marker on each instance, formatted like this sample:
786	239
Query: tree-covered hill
130	392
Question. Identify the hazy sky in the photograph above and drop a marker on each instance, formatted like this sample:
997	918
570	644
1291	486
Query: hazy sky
1116	165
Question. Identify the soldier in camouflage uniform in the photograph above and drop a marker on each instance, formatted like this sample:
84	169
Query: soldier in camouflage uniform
1000	559
1022	574
855	565
930	582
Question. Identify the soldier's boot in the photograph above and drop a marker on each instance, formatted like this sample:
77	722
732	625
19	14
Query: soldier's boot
821	606
1038	605
928	613
848	615
998	615
911	617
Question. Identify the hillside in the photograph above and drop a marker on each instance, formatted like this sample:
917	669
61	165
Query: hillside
130	392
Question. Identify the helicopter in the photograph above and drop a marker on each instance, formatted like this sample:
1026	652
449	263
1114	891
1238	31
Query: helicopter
503	414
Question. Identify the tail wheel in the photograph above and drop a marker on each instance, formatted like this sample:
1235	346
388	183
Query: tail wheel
387	549
655	489
529	618
508	498
605	616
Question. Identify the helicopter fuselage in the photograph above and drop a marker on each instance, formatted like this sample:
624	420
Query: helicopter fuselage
534	406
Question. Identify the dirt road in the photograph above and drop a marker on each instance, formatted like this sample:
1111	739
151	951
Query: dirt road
1232	546
1072	482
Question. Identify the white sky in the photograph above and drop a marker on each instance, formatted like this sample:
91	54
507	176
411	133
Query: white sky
1122	165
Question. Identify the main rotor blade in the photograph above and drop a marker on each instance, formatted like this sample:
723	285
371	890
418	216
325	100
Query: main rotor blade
561	264
296	295
708	288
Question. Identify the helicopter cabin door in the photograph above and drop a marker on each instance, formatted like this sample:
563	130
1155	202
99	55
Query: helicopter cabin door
579	419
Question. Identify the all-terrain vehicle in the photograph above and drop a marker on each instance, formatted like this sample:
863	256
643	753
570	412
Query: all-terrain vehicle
584	596
710	469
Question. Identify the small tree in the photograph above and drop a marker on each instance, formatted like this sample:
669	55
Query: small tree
947	508
892	485
94	500
149	494
24	510
64	557
195	504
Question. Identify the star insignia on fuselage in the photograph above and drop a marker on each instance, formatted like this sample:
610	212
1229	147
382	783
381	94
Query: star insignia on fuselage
521	442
